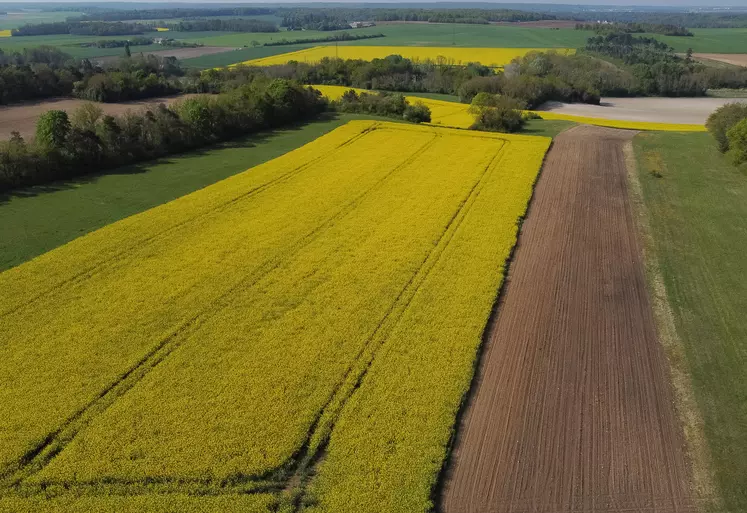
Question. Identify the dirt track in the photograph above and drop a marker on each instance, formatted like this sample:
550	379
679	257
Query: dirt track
572	410
22	118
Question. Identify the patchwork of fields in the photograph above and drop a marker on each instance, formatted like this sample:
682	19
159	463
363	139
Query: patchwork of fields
221	344
449	55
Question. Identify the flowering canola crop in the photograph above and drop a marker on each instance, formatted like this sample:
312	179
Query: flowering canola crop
494	57
5	33
630	125
213	345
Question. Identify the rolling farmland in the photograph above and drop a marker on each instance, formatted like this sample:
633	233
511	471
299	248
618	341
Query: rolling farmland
486	56
573	411
219	344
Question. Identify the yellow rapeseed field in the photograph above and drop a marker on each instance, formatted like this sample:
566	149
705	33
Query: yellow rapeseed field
5	33
453	114
450	114
162	29
630	125
207	348
450	55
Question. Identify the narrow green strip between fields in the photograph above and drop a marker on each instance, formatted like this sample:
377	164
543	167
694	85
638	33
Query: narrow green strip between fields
697	205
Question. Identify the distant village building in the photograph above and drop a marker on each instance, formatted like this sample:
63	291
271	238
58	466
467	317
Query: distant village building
362	24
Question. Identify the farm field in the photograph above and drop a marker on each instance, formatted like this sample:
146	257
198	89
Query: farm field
336	286
487	56
179	53
736	59
573	386
695	202
38	219
665	111
454	114
238	55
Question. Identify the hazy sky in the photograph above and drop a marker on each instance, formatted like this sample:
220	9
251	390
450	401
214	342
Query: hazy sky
670	3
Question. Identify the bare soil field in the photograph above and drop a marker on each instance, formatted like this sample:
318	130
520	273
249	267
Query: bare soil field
22	118
572	410
179	53
652	110
737	59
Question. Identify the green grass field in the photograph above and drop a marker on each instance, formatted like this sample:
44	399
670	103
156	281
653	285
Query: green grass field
37	219
15	18
231	57
697	206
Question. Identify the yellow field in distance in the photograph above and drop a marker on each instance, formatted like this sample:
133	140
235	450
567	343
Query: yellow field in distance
162	29
212	347
629	125
443	113
493	57
5	33
456	115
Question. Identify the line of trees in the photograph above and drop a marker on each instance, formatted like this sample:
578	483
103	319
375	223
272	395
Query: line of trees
337	18
229	25
164	14
636	28
329	39
680	19
93	28
46	71
657	71
393	105
88	141
728	125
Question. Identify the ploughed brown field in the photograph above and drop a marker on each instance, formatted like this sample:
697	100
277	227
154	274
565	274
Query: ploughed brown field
572	409
737	59
22	118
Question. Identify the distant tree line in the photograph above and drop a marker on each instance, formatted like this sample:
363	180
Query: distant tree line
337	18
45	71
95	28
392	105
329	39
636	28
163	14
680	19
657	71
88	141
118	43
229	25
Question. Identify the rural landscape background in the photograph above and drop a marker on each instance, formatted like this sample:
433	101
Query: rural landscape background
448	257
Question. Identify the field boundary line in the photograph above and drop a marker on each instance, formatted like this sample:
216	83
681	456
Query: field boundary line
690	417
40	456
437	492
318	437
114	258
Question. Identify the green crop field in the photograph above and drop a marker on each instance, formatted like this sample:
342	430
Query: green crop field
244	54
15	18
697	206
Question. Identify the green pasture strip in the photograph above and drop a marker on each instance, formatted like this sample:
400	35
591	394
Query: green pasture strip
38	219
217	60
697	205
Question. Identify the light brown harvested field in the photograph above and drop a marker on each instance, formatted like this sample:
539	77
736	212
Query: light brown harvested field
572	410
179	53
22	118
737	59
651	110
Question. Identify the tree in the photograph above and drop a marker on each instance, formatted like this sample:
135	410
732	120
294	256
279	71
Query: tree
128	53
497	113
52	129
417	113
722	120
737	136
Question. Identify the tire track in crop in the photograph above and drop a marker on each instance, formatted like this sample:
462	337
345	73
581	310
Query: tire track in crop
571	409
318	437
114	259
39	456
